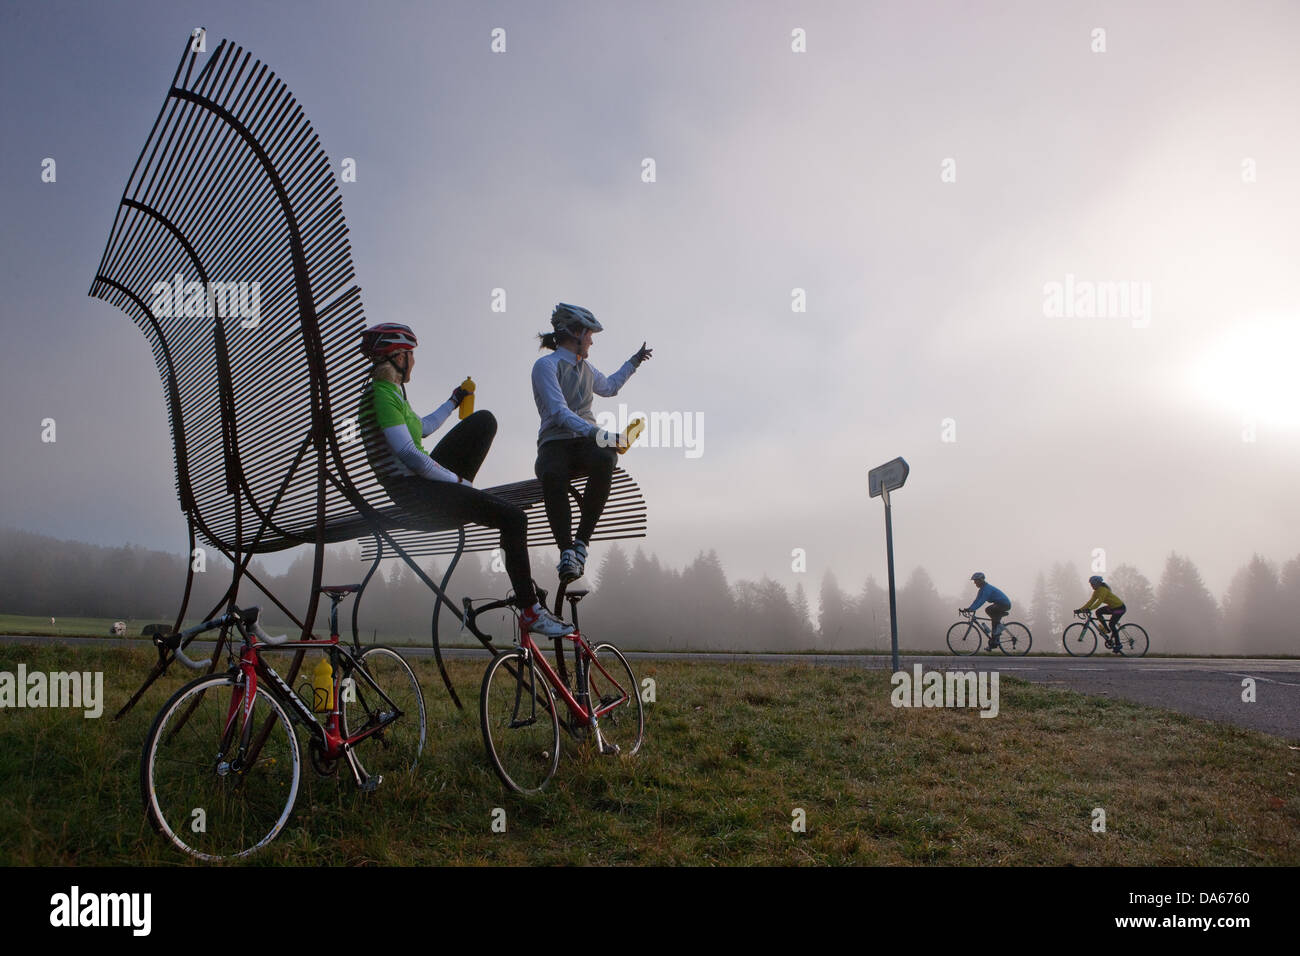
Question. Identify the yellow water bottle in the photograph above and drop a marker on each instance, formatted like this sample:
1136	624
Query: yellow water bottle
322	684
632	434
467	403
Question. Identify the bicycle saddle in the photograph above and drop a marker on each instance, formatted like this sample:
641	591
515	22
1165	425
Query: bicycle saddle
339	590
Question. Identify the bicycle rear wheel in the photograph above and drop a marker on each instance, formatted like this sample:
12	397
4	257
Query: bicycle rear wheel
521	729
1015	639
1133	641
616	698
195	789
965	638
1079	640
398	746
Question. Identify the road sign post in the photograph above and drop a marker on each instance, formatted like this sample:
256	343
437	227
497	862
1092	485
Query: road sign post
880	481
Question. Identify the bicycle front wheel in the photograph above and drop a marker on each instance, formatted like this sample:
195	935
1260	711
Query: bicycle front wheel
1133	641
616	698
1079	640
396	748
205	795
965	638
1015	639
521	729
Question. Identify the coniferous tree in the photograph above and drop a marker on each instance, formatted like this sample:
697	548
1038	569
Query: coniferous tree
1066	590
923	616
1039	618
706	604
1289	606
872	612
1252	610
1186	614
805	636
1134	590
833	621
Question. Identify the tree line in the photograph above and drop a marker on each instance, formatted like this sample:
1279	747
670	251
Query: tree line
638	602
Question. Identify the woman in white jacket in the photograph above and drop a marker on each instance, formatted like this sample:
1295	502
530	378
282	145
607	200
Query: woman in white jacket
569	443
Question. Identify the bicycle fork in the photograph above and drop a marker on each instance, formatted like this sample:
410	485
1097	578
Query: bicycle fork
583	669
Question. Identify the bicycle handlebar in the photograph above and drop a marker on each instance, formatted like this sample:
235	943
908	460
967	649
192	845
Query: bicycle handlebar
247	617
265	638
472	612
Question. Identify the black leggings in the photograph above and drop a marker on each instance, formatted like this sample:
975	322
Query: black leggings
558	462
462	450
1114	613
997	612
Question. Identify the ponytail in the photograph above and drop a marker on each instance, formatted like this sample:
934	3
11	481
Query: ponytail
548	341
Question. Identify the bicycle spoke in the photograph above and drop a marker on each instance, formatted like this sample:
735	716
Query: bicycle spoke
616	699
965	638
1079	640
1015	639
397	747
1133	640
195	788
521	729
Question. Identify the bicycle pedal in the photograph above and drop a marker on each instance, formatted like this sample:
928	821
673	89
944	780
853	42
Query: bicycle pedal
372	783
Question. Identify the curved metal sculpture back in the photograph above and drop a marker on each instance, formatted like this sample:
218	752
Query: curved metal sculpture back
230	253
233	205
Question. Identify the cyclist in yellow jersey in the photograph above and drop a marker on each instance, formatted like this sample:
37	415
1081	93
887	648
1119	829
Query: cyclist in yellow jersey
1113	607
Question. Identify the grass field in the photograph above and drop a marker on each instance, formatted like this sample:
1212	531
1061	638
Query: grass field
732	751
64	626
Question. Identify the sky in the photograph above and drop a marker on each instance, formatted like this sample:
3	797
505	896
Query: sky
946	184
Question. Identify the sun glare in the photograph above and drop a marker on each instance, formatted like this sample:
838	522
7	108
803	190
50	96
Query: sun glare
1253	370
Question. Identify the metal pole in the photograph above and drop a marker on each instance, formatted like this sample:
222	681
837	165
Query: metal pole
889	550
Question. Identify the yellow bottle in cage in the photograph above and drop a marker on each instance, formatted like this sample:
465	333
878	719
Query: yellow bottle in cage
467	403
633	432
322	685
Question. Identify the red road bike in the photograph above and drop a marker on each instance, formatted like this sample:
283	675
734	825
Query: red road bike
519	703
221	764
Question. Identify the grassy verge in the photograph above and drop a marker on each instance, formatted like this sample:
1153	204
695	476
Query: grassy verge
733	750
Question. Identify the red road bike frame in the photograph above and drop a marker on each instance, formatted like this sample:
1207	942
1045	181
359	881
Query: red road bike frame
579	710
328	732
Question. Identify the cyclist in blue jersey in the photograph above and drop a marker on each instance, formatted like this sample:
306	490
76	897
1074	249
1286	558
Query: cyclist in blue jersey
999	604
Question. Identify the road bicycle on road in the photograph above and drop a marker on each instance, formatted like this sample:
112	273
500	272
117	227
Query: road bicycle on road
519	701
1080	638
967	637
221	764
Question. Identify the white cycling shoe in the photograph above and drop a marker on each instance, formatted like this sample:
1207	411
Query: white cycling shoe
545	624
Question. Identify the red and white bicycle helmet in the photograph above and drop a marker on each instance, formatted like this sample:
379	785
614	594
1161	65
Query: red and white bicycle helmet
383	340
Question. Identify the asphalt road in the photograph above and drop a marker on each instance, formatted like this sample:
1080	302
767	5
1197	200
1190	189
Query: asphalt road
1200	687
